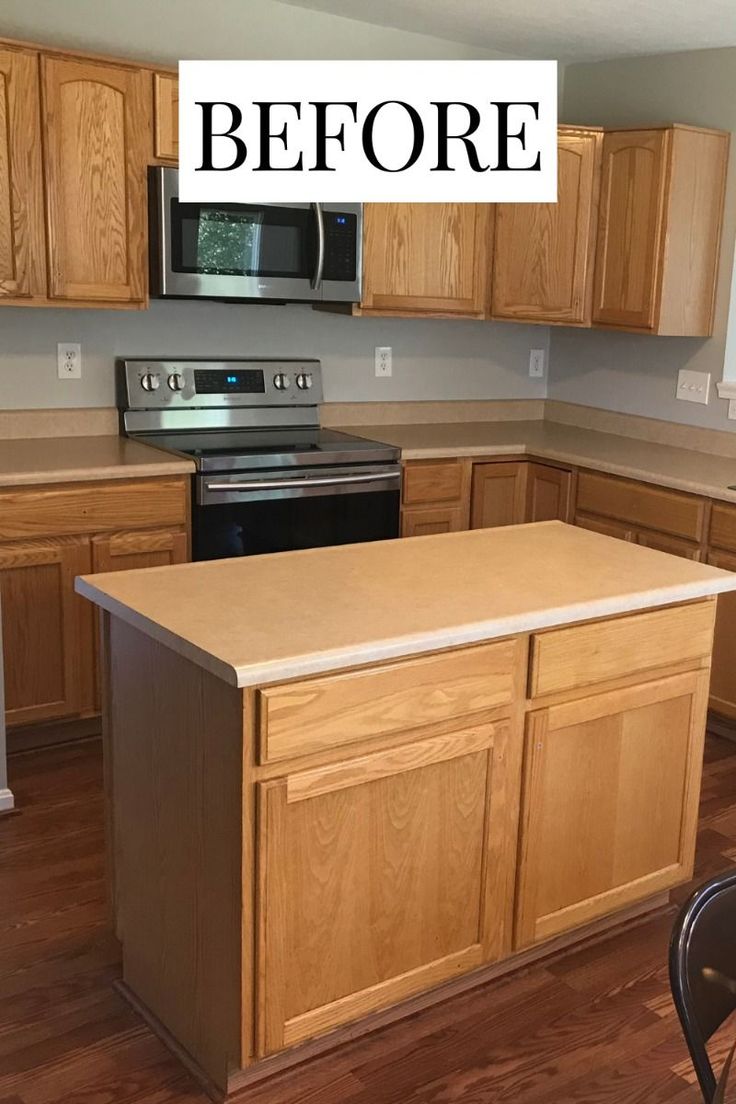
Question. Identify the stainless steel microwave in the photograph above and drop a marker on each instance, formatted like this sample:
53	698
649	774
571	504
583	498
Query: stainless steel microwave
298	252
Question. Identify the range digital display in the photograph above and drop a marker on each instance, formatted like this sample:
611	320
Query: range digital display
235	381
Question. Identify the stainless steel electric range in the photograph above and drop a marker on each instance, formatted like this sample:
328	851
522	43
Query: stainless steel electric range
268	479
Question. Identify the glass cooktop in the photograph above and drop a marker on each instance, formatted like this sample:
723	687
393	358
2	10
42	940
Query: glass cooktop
246	449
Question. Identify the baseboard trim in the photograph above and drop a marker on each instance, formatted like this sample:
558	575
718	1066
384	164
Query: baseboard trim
7	801
35	737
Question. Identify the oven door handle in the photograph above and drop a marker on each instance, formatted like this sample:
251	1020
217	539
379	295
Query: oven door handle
316	281
294	484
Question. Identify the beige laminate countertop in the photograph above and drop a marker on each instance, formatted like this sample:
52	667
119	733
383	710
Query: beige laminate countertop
697	472
38	460
265	618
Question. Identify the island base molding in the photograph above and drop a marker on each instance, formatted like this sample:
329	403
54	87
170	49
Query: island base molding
587	936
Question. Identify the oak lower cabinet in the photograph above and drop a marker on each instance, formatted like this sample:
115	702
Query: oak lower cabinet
381	876
548	493
543	252
435	497
426	258
723	671
659	229
127	551
498	495
602	825
46	629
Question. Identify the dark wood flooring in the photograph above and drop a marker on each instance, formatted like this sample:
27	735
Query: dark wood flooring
595	1025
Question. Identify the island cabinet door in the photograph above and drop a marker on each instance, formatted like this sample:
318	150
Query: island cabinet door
611	788
380	877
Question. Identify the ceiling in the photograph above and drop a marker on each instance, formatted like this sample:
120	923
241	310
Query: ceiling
567	30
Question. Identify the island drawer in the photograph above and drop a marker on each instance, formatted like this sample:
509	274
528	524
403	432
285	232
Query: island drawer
641	504
300	718
582	655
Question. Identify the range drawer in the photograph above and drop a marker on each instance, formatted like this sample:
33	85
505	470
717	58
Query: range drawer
582	655
433	482
651	507
301	718
93	507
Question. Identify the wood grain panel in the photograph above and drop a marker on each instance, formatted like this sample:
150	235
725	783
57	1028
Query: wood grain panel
723	669
642	504
630	228
432	520
166	117
46	629
498	495
127	551
607	528
97	141
673	545
610	802
302	717
426	258
431	482
723	526
22	235
93	507
374	890
548	493
579	656
543	252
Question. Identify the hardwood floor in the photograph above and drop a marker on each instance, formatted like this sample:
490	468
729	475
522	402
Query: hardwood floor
595	1025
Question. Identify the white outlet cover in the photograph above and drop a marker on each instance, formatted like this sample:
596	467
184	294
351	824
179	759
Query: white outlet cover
536	363
69	360
384	360
693	386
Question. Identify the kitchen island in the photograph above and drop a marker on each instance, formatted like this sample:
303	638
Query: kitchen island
346	782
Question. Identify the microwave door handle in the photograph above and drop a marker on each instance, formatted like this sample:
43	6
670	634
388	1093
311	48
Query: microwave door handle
293	484
316	281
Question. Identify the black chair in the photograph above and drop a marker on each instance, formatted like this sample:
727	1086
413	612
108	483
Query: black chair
702	964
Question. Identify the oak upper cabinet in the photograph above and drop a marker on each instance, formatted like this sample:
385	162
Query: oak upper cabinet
659	229
381	876
127	551
543	252
166	117
602	825
22	236
46	629
426	258
96	141
498	495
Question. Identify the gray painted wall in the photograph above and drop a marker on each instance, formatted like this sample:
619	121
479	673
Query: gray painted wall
628	372
432	358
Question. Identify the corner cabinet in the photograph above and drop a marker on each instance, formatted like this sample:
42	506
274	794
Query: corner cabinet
602	825
544	252
381	876
96	135
426	259
659	229
22	236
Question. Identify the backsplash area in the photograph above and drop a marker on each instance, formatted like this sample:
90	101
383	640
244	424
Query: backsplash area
432	359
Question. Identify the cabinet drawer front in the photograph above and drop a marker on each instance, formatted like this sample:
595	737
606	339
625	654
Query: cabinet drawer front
433	483
92	508
305	717
583	655
723	527
642	504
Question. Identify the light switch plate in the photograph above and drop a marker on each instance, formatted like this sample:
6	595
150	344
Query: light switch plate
693	386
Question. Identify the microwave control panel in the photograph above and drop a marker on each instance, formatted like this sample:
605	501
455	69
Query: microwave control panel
341	245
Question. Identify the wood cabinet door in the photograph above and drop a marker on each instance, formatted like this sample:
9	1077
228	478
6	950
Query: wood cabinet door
548	493
631	228
166	117
46	629
145	548
543	252
498	495
430	520
22	236
97	142
611	787
723	669
604	525
664	543
381	876
426	258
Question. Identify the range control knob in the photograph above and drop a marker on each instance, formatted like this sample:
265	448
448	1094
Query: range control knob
176	381
304	381
150	381
281	382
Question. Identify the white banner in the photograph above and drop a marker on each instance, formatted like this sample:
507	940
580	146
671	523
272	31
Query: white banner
368	131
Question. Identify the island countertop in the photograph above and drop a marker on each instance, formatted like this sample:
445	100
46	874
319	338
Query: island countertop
286	615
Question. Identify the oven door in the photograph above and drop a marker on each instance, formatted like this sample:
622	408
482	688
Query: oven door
245	515
300	251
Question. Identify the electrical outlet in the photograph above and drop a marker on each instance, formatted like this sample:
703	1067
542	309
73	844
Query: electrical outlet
536	363
69	360
693	386
384	366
